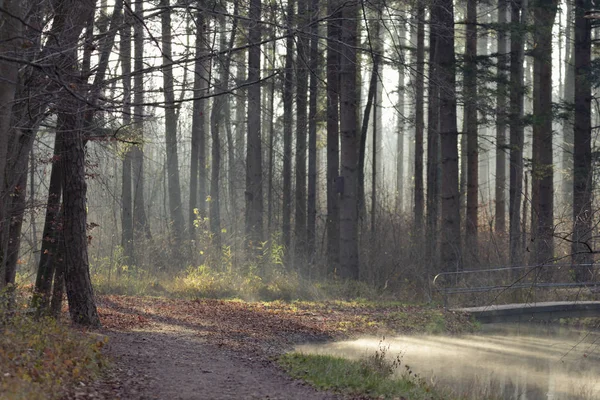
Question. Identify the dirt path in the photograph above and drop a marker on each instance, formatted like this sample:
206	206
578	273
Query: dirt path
172	363
168	349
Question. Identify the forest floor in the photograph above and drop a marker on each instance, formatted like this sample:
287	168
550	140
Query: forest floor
218	349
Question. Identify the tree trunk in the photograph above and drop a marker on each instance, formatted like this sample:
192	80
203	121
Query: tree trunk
311	225
419	121
517	91
174	188
198	150
445	63
349	263
126	193
288	101
301	134
51	232
10	43
140	222
333	136
502	89
470	116
568	98
254	176
582	177
542	162
433	118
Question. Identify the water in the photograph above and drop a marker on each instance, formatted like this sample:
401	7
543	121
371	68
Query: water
503	361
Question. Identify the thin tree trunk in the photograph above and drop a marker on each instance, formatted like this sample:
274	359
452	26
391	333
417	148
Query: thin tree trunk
174	188
311	224
502	89
433	118
301	133
198	150
517	90
288	100
52	229
126	193
419	121
333	137
569	98
140	222
470	92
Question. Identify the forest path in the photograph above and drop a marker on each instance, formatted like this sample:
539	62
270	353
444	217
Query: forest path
207	350
170	362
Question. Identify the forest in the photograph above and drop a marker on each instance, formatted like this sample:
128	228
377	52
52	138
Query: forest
301	142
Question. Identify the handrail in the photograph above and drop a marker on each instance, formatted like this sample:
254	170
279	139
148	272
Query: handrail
515	285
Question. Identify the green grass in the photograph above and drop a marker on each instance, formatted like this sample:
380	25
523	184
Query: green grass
371	377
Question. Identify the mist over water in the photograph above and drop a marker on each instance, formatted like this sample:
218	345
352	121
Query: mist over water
503	361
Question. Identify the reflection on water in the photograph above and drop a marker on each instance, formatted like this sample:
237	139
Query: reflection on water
504	361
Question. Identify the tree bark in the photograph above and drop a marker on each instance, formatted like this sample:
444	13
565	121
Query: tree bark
470	116
174	188
517	89
433	124
254	175
140	222
419	121
542	162
502	89
198	150
311	224
333	135
349	263
10	46
445	63
288	100
301	133
582	177
127	192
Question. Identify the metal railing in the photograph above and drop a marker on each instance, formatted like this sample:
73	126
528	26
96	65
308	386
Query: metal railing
502	280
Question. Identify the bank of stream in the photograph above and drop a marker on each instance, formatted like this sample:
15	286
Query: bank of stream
502	361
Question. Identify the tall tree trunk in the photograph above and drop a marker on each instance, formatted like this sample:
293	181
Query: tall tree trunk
445	63
254	176
333	137
126	192
51	232
311	224
198	150
582	177
10	43
517	90
433	118
140	222
542	162
502	89
288	101
301	134
419	121
349	263
174	188
569	98
470	116
400	189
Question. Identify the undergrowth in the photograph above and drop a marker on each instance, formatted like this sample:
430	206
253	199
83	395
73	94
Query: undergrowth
41	358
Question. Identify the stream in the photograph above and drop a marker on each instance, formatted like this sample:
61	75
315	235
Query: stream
502	361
